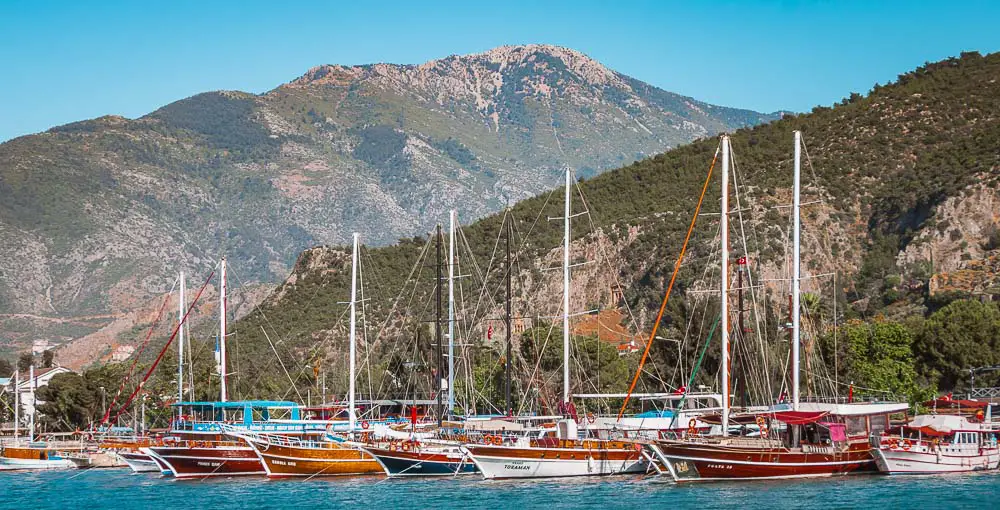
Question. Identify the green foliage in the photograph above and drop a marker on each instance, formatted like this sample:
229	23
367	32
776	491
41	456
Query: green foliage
225	120
382	147
962	335
6	369
24	361
70	402
880	357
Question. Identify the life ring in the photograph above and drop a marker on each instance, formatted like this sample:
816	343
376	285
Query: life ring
364	424
893	444
392	446
498	440
906	444
693	426
591	418
406	446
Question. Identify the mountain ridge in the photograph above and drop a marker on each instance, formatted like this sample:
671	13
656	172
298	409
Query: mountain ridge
97	215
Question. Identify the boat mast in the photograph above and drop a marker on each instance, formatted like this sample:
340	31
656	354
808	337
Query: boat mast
796	226
17	405
180	343
222	330
451	314
724	284
437	329
510	408
31	417
351	411
566	290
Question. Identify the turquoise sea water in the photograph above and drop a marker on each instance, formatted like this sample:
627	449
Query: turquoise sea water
122	490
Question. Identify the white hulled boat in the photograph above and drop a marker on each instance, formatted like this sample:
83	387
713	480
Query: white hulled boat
938	444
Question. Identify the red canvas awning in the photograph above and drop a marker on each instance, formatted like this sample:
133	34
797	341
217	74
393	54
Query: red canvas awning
948	403
799	417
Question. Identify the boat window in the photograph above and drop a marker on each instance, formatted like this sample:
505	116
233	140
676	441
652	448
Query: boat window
856	425
879	422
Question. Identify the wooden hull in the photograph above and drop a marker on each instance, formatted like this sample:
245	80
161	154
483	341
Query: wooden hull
207	461
555	462
433	461
15	458
916	461
707	462
313	459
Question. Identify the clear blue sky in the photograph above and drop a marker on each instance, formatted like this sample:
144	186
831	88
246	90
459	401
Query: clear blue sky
71	60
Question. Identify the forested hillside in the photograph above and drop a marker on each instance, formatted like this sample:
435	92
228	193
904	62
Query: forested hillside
900	191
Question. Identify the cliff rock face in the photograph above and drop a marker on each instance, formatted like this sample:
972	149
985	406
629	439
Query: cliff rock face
97	216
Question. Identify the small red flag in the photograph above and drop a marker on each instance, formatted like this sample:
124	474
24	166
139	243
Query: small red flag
850	394
489	333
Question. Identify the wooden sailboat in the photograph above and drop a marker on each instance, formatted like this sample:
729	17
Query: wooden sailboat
804	440
31	455
282	456
561	453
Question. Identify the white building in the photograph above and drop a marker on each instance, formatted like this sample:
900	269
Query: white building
39	346
42	378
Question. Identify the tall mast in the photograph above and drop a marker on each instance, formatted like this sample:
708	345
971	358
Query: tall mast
351	411
437	329
222	331
724	285
451	315
509	409
31	417
180	343
566	290
796	226
17	405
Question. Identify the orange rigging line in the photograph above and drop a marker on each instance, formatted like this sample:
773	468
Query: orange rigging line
670	287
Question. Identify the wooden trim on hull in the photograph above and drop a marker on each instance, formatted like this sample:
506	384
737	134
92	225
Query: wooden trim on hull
289	461
694	462
185	462
499	462
397	463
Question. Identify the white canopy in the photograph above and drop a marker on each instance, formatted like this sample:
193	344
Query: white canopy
944	424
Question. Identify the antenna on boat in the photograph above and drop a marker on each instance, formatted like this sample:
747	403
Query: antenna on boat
566	232
796	226
180	342
222	330
351	411
724	284
451	314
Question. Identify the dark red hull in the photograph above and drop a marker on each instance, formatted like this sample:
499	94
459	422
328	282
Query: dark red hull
706	462
209	461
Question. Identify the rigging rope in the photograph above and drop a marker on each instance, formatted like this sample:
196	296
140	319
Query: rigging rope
165	347
135	359
670	287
